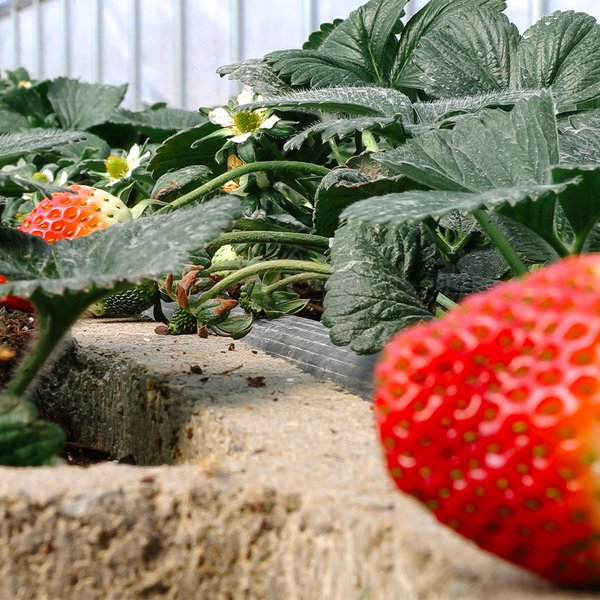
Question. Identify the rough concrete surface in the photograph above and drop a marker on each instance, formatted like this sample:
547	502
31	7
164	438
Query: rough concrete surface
276	492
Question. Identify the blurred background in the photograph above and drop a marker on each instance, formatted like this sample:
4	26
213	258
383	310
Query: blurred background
168	50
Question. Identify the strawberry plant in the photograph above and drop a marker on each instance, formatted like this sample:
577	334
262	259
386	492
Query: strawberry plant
489	416
64	278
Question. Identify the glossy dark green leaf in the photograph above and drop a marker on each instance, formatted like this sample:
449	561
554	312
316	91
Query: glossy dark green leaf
316	39
361	49
177	152
341	188
436	111
172	184
579	138
12	121
24	440
14	145
580	203
471	54
562	51
383	279
425	22
495	149
257	74
410	207
363	100
156	123
80	105
342	128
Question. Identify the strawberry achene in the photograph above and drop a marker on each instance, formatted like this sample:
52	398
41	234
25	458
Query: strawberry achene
490	416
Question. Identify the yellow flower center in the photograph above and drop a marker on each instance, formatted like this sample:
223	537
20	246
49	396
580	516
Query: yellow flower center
247	121
40	177
116	166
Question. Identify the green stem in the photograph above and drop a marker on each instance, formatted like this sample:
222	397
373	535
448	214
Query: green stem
336	153
498	239
294	279
50	332
369	141
220	180
306	240
287	265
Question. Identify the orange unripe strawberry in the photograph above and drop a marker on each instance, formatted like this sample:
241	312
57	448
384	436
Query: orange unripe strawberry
71	215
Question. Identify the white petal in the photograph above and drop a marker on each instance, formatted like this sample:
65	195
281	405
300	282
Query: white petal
268	123
221	117
246	96
133	154
242	137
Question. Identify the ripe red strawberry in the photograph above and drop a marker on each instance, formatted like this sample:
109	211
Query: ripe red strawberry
68	215
490	416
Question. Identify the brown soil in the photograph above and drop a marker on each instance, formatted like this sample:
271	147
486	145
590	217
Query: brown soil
17	330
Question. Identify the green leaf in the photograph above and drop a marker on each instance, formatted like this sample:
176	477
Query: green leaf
365	37
81	105
383	279
361	49
341	188
580	203
492	150
12	121
177	151
316	39
156	122
424	23
25	441
315	69
172	184
438	111
409	207
579	138
363	100
471	54
341	128
14	145
130	252
257	74
562	51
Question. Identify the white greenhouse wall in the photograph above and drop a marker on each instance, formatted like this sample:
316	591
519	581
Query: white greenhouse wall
168	50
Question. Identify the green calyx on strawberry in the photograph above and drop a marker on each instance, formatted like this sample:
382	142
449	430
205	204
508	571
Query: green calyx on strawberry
490	416
73	214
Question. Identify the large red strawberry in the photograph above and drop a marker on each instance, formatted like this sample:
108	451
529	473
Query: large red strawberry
72	214
490	416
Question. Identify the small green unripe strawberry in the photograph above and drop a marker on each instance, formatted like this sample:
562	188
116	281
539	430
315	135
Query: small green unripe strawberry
128	303
182	322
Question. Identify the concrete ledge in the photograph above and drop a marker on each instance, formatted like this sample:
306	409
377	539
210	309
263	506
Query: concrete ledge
276	492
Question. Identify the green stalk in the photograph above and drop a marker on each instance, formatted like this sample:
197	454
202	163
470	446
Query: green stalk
306	240
498	239
369	141
50	333
307	266
220	180
336	153
294	279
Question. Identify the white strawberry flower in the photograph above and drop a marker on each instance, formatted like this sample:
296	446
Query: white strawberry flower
121	167
244	123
